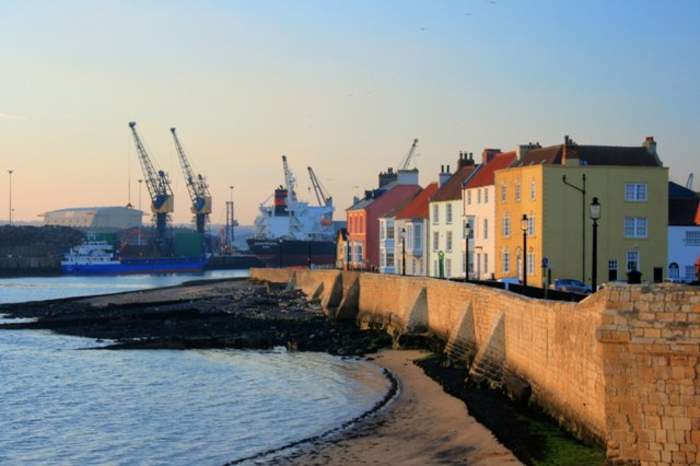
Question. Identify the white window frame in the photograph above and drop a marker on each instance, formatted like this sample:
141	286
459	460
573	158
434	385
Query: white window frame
504	192
627	260
486	228
505	261
506	227
448	213
533	190
531	225
530	263
486	195
517	191
436	213
436	240
448	241
636	192
636	227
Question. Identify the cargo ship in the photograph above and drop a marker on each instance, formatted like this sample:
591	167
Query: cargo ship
291	232
98	258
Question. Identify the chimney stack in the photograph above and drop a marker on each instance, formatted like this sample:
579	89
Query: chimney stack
650	145
465	159
444	175
523	149
488	154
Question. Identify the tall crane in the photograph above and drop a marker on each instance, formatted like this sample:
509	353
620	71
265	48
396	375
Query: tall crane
158	184
406	162
324	200
289	181
197	188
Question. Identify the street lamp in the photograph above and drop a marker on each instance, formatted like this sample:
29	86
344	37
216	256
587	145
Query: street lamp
403	251
595	216
523	227
467	234
10	208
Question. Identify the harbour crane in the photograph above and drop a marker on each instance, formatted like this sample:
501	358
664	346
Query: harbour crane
158	184
197	188
406	162
689	183
324	200
289	181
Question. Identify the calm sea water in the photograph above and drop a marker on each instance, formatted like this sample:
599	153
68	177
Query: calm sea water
63	406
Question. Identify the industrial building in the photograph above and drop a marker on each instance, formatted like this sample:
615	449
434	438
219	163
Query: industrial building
95	218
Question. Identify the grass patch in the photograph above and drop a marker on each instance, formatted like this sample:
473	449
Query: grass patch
534	438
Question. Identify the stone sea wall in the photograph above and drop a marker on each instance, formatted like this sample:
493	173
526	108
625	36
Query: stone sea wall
620	367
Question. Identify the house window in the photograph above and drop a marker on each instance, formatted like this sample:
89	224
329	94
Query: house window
486	195
469	197
674	271
448	267
436	241
517	191
382	230
448	213
390	229
692	238
478	196
417	236
533	189
486	228
506	226
504	192
448	240
636	192
357	252
690	273
530	263
612	264
486	263
436	213
632	260
531	225
390	258
635	227
506	261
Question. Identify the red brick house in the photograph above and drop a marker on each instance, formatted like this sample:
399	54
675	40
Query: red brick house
363	216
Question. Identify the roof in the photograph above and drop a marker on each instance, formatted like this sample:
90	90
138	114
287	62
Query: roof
677	191
398	207
375	194
418	207
97	209
485	175
452	189
592	155
683	211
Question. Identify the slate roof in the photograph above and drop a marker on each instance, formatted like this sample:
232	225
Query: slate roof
592	155
418	207
452	189
485	175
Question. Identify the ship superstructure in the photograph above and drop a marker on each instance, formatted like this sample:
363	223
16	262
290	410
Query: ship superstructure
292	219
293	232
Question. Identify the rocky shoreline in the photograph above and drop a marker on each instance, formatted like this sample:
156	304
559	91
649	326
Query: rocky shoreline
224	314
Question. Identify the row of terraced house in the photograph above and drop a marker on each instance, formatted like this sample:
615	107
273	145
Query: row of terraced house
527	213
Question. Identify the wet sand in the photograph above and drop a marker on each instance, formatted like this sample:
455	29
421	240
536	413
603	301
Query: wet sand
423	426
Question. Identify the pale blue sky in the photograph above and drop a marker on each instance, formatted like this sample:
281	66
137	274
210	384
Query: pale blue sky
343	86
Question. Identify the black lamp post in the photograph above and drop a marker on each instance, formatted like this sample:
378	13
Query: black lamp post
403	251
523	227
467	234
595	216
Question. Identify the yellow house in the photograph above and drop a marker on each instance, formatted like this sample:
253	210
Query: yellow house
632	187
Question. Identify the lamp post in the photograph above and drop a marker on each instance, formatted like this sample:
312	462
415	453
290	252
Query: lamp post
595	216
582	190
403	251
467	233
10	208
523	227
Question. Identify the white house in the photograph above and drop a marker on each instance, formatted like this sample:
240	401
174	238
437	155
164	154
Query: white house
446	221
411	230
683	233
480	211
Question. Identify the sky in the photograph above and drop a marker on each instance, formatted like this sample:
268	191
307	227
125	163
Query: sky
342	86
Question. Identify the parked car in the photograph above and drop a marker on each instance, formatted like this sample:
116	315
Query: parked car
572	286
509	280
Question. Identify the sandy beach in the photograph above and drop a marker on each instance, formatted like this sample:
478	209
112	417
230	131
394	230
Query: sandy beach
422	426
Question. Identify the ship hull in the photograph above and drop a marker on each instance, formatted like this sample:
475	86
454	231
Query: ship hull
139	266
290	253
